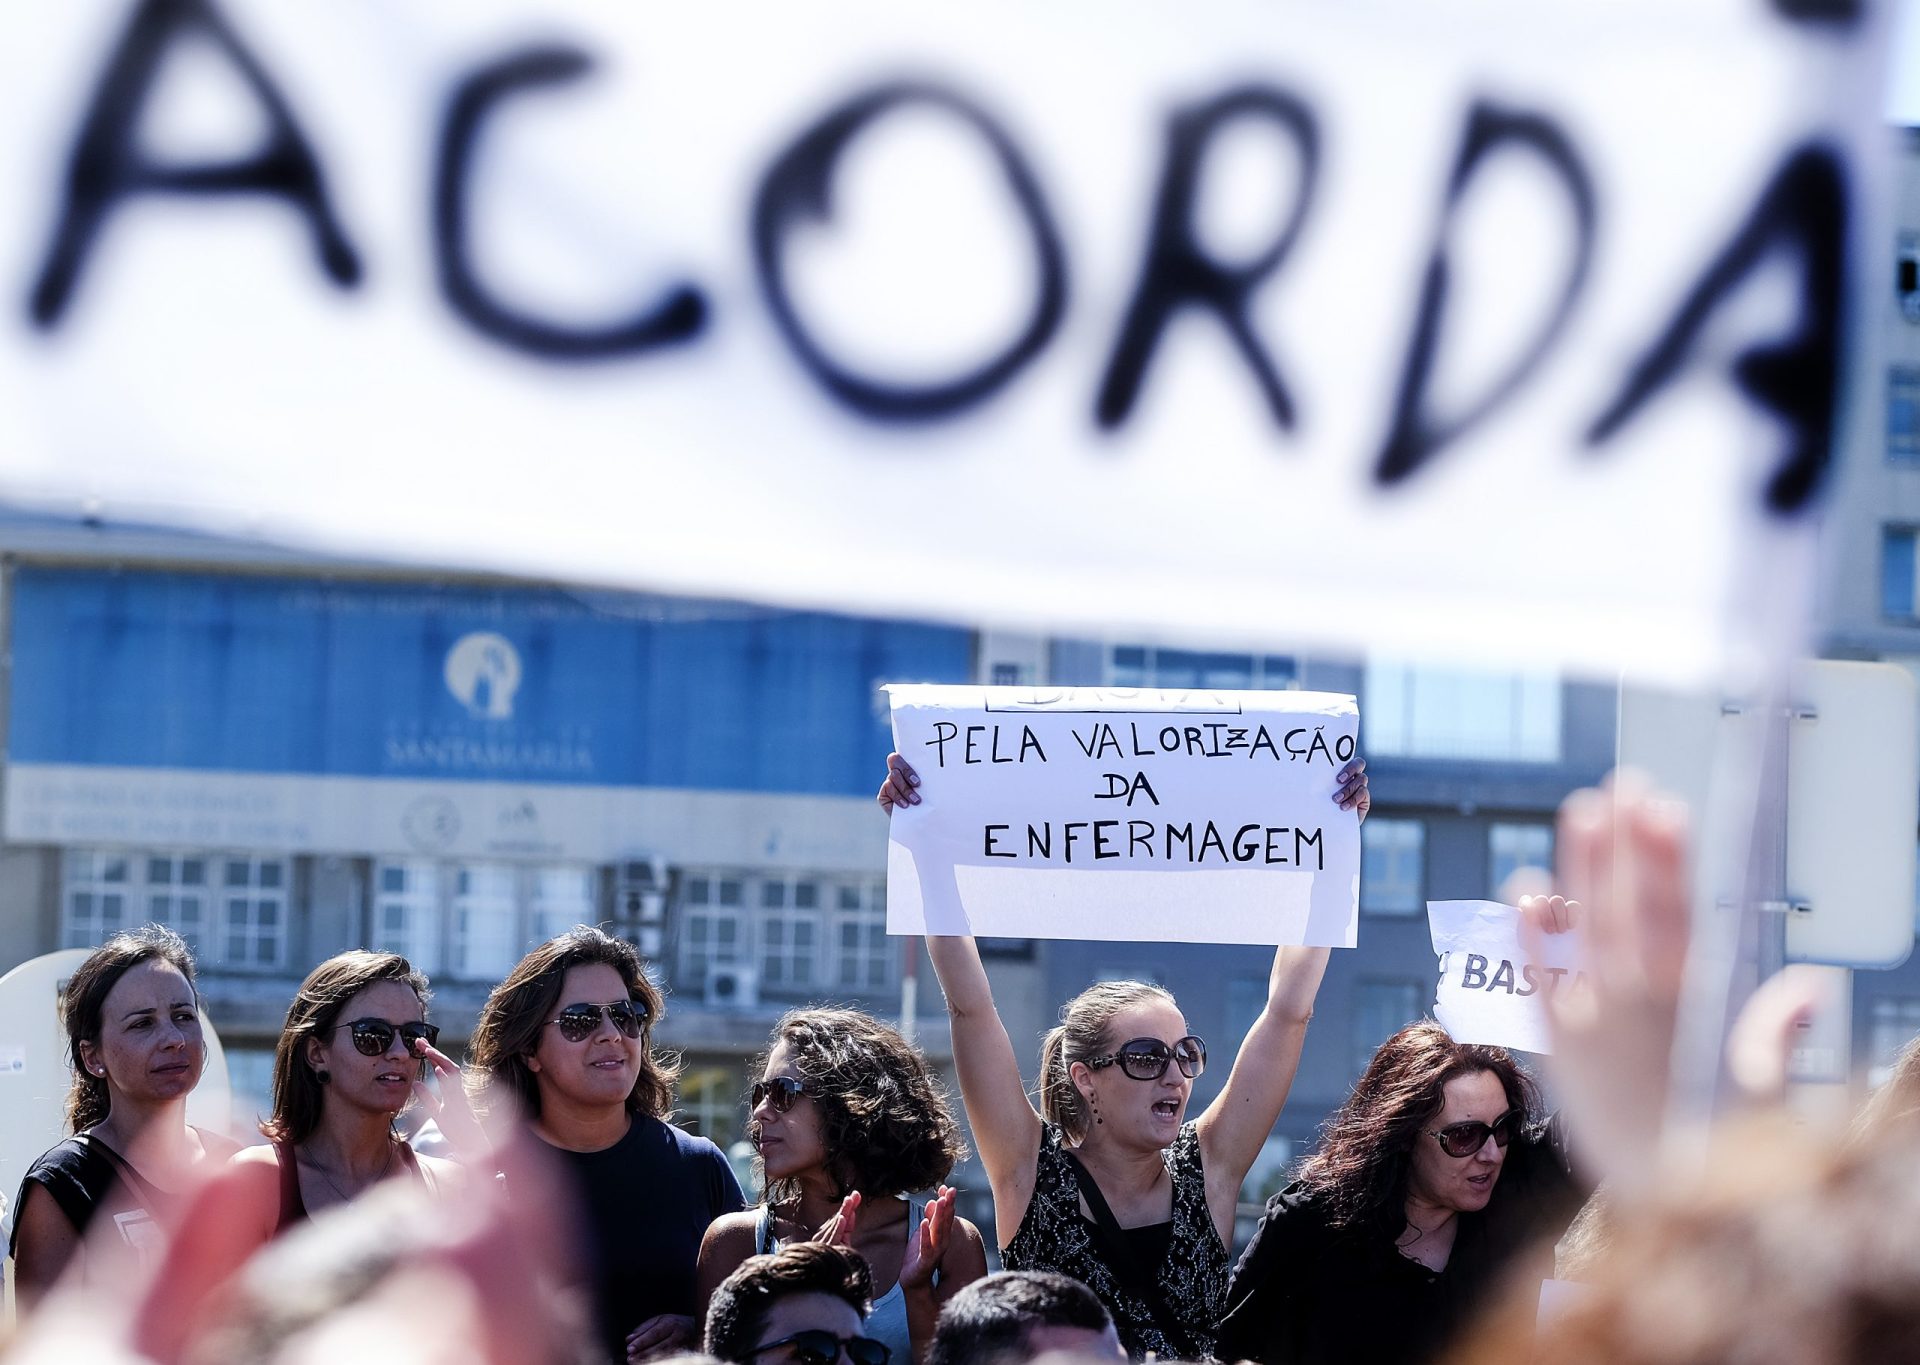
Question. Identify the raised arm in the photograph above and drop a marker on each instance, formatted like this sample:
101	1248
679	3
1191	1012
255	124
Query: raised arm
1005	1127
1239	1121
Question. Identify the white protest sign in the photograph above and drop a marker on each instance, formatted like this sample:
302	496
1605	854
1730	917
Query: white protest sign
1491	990
1333	306
1088	813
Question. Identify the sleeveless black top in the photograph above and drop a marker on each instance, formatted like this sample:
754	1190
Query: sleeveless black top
1192	1274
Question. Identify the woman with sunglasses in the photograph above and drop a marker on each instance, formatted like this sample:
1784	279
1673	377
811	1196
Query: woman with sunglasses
849	1120
349	1059
134	1040
1433	1184
566	1043
1110	1182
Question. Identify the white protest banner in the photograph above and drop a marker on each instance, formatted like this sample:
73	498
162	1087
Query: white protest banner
1333	306
1090	813
1491	990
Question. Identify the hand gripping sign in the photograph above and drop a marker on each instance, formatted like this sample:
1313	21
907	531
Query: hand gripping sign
1491	989
1192	817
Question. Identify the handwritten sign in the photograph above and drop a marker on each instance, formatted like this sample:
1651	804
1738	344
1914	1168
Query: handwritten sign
1320	301
1490	990
1190	817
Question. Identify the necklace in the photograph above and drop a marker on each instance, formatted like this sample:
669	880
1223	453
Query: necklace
386	1169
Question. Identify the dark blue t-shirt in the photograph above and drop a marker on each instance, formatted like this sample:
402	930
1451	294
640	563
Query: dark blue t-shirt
647	1201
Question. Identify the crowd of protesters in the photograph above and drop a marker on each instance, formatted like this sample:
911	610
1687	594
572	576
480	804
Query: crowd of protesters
568	1219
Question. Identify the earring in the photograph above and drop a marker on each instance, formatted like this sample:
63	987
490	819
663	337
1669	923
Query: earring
1095	1105
322	1075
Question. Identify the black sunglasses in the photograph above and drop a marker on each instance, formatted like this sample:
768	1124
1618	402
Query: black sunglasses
372	1037
817	1346
782	1090
1464	1139
1146	1059
579	1022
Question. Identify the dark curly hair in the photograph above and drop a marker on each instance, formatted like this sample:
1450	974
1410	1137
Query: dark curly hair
737	1312
884	1116
1366	1148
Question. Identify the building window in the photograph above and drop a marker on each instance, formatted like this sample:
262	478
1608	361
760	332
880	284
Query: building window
1380	1010
789	934
98	885
1903	414
483	912
863	955
1417	712
253	911
1897	573
1145	666
1392	864
1891	1025
1512	847
177	895
711	1103
710	926
231	909
562	898
406	912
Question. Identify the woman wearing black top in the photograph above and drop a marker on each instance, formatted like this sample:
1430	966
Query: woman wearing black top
133	1031
566	1043
1434	1184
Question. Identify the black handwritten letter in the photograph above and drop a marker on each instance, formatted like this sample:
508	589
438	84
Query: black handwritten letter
107	164
798	189
1178	274
1804	208
677	317
1415	434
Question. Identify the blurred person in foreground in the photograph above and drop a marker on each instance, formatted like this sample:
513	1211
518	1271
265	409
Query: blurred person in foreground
566	1043
849	1121
1015	1317
1782	1249
805	1304
401	1273
134	1039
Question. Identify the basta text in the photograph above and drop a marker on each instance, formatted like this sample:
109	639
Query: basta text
1523	981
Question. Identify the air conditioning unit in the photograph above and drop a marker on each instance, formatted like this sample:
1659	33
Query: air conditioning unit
732	985
640	890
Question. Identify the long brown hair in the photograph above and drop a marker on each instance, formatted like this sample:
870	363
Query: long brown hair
1085	1022
81	1007
297	1090
884	1118
508	1031
1366	1148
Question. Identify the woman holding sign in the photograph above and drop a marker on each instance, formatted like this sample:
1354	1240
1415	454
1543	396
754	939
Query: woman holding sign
1109	1182
1434	1182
